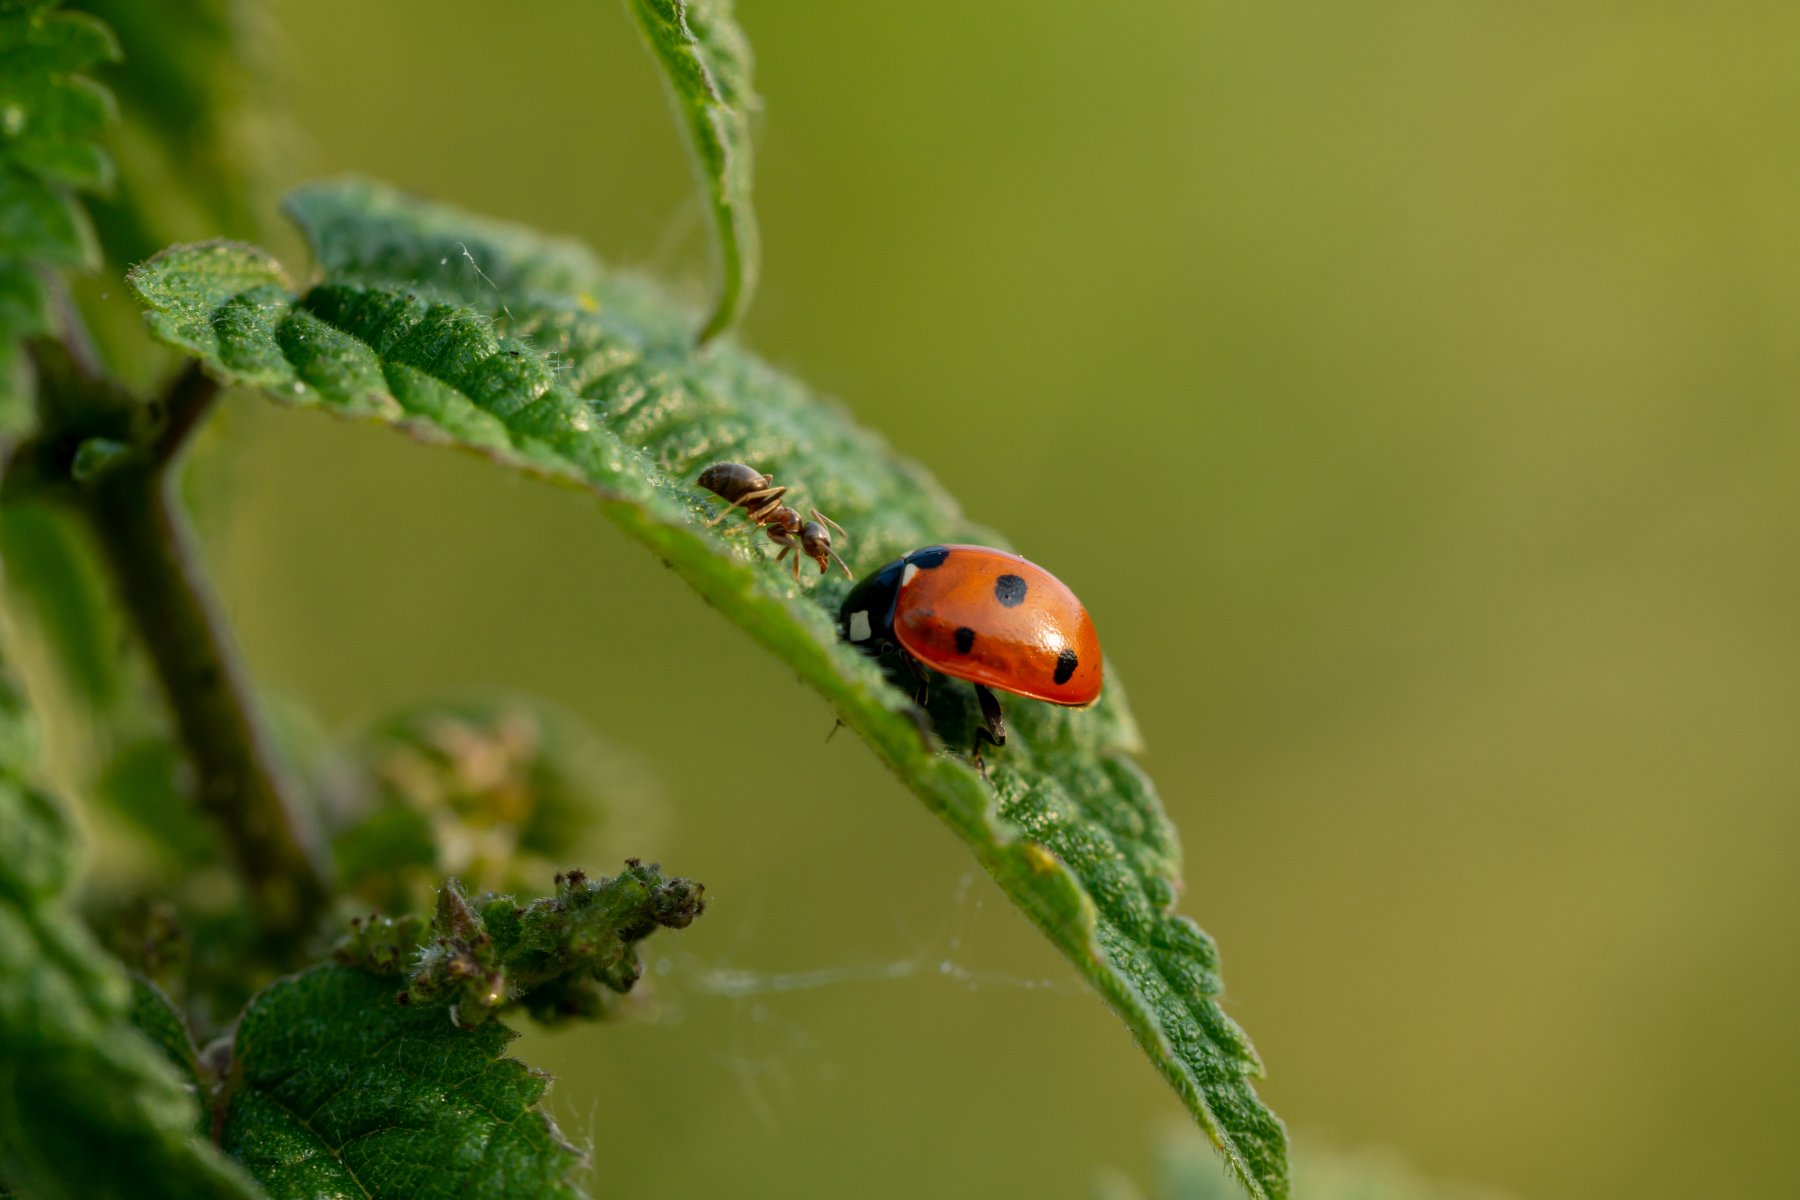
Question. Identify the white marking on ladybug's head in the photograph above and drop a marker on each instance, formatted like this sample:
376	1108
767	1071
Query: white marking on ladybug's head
906	576
859	626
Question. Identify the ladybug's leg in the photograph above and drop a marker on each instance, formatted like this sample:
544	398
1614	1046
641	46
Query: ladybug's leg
991	730
993	722
923	694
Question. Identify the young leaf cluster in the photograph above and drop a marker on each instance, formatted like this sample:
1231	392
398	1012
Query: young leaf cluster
570	955
491	790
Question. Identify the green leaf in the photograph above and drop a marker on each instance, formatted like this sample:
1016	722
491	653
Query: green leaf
50	117
88	1106
591	381
707	61
337	1090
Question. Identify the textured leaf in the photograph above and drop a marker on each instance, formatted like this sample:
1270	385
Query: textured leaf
606	394
707	61
50	116
88	1106
337	1090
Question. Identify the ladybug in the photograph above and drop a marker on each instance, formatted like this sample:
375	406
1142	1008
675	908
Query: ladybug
984	615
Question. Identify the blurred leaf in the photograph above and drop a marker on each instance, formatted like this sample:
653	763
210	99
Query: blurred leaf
492	790
50	117
187	84
59	592
148	937
707	61
88	1106
1186	1169
609	396
562	956
155	1016
195	146
141	783
337	1090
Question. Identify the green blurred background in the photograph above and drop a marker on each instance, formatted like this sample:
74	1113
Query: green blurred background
1409	391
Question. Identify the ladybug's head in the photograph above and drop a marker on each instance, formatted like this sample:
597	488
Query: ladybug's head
866	617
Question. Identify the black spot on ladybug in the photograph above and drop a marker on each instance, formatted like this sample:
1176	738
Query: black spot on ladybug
965	640
930	558
1010	591
1066	662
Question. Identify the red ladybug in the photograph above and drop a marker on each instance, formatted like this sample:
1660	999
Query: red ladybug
983	615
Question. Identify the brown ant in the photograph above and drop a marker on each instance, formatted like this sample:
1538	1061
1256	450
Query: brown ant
760	498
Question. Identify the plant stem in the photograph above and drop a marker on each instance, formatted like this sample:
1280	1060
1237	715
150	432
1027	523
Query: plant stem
155	560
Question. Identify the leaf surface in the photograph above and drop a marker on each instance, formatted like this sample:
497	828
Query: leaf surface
548	363
707	61
338	1090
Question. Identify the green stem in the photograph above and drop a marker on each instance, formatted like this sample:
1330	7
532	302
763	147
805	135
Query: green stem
156	563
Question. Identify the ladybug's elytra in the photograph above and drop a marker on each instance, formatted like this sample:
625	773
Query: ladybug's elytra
984	615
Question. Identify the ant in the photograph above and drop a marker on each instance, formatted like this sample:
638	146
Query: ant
757	494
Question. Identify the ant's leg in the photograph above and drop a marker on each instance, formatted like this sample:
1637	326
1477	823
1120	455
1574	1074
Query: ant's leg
763	503
781	538
756	505
729	509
